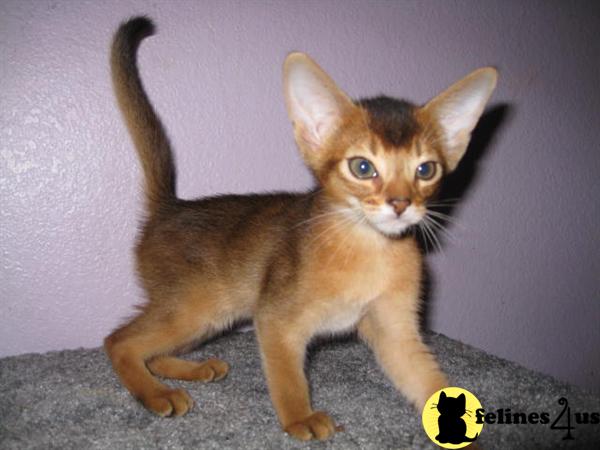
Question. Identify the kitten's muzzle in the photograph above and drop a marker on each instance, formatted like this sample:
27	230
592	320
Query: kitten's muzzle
399	204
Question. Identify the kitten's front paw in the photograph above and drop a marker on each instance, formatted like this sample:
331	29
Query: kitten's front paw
316	426
170	402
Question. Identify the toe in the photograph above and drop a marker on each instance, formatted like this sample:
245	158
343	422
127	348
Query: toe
321	425
181	401
211	370
316	426
299	431
172	402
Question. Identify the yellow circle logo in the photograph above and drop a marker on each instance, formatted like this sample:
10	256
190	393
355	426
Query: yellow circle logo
449	418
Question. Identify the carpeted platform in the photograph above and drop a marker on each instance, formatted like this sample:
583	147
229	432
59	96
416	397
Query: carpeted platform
72	400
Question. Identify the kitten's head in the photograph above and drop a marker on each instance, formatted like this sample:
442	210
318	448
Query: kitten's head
382	159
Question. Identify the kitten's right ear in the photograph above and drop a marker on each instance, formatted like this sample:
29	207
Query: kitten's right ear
314	103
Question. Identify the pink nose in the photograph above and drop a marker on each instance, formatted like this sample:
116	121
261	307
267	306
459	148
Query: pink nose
399	204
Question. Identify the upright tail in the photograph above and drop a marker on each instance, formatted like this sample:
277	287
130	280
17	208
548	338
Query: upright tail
149	137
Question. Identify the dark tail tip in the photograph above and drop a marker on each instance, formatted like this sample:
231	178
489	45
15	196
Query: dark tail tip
136	28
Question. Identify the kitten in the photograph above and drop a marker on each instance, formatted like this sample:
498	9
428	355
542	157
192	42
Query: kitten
335	259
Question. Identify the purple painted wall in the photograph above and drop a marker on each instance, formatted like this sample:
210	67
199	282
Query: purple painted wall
521	277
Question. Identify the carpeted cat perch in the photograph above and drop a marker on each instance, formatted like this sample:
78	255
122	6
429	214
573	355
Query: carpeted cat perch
72	400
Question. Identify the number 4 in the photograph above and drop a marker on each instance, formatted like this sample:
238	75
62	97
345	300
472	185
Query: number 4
568	427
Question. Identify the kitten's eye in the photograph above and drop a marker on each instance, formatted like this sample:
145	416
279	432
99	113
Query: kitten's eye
362	168
426	171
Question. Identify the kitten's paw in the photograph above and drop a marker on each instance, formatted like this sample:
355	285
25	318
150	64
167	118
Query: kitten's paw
170	402
316	426
211	370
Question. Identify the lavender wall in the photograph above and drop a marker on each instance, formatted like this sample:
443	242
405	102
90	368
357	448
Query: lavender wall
520	278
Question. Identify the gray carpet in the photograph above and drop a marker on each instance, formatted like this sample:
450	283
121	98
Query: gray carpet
72	400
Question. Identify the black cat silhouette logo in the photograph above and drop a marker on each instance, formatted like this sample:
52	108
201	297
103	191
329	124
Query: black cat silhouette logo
449	419
452	427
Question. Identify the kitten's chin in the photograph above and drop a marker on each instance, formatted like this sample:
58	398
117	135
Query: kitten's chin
392	230
393	226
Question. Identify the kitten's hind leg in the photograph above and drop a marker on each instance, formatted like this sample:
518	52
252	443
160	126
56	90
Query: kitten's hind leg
128	349
158	331
181	369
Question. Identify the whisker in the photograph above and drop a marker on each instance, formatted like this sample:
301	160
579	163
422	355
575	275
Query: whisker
439	227
434	239
346	219
429	244
341	226
444	217
443	203
326	230
341	244
440	232
431	235
447	199
319	216
424	237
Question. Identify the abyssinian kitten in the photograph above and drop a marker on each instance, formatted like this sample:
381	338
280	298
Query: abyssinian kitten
338	258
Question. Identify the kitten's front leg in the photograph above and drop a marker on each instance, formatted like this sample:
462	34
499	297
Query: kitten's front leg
283	355
391	328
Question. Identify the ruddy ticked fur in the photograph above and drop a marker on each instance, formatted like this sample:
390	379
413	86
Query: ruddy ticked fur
338	258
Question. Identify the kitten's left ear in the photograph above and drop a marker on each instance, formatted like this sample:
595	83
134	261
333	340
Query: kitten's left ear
315	104
458	109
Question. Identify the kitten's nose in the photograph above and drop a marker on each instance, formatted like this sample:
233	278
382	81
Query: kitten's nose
399	204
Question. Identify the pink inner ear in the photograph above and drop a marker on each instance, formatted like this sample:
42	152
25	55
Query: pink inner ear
324	126
315	134
308	138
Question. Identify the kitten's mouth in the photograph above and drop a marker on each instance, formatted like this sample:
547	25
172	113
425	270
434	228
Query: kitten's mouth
385	221
392	225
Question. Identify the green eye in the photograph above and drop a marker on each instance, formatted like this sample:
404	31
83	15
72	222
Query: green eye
362	168
426	171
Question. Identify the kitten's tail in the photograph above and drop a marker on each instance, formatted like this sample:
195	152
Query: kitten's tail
149	137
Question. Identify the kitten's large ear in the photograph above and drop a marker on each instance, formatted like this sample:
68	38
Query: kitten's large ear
457	110
314	103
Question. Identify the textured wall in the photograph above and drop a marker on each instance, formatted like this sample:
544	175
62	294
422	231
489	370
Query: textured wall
520	278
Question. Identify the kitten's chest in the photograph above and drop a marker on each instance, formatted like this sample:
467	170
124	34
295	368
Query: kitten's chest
346	293
343	287
358	268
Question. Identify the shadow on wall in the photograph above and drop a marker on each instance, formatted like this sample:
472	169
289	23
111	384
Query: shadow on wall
457	184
